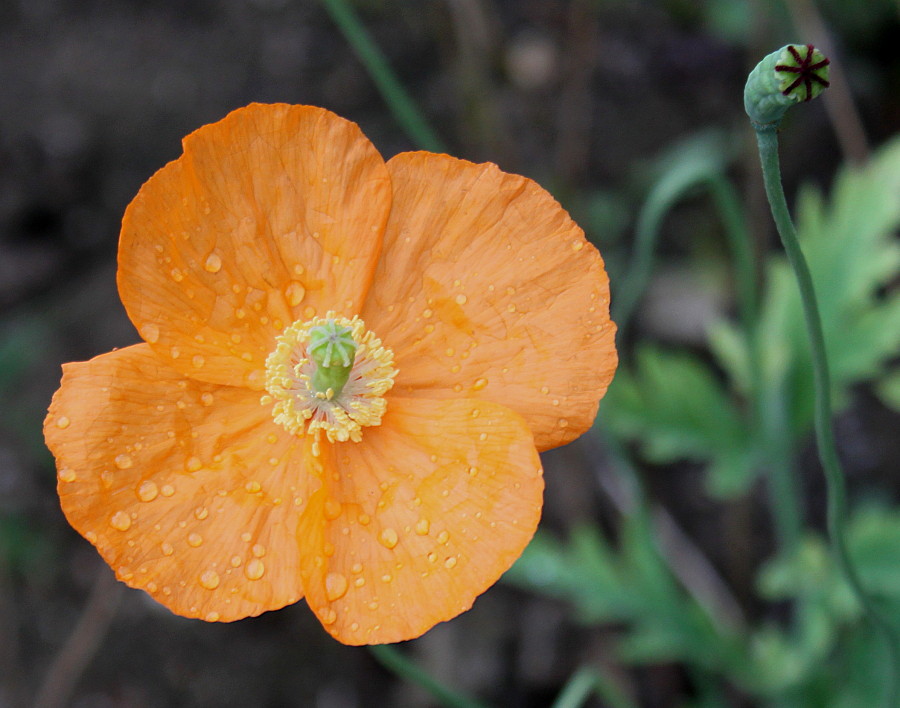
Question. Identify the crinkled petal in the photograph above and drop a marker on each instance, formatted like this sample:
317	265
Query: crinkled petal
487	288
188	490
419	518
273	214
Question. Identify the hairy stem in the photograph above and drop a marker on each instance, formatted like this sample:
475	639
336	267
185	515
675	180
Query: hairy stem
767	141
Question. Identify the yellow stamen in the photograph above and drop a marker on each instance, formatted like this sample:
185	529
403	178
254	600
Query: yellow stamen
303	410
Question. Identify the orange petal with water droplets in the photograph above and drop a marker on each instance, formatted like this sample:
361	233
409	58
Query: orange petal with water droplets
419	518
205	524
273	214
487	288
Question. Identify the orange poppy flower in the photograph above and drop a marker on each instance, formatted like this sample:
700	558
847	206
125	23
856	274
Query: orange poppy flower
348	369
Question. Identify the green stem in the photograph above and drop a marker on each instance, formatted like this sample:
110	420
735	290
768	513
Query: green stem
394	660
398	100
767	141
586	681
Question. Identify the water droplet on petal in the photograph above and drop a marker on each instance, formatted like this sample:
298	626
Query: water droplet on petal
253	487
150	333
147	491
198	361
328	615
120	521
123	462
461	299
236	561
332	509
200	513
422	526
388	538
212	617
450	562
295	292
443	537
210	580
213	263
167	490
195	540
255	569
193	464
335	586
479	384
563	423
206	399
67	474
259	550
577	245
167	549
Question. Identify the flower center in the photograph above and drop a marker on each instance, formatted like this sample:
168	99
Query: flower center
328	375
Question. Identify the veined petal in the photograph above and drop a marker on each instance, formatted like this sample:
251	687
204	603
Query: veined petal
419	518
273	214
486	288
188	490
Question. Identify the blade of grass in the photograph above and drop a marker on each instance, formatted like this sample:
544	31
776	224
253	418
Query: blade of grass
395	95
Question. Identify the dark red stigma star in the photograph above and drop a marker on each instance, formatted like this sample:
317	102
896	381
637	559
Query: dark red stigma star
805	70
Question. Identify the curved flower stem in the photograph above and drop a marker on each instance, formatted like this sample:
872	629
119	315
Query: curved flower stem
392	659
767	141
398	100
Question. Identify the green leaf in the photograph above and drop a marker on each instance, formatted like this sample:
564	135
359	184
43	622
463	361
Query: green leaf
676	408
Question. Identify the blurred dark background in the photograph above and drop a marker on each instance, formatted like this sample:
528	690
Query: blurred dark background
95	96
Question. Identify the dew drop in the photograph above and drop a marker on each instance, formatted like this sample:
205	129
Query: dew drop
147	491
335	586
200	513
167	549
328	616
422	527
236	561
253	486
563	423
356	568
450	562
193	464
62	422
457	387
479	384
259	550
213	263
194	540
67	474
255	569
461	299
388	538
198	361
212	617
120	521
577	245
432	557
177	275
167	490
295	293
545	390
386	578
245	537
443	537
332	509
123	462
210	580
206	399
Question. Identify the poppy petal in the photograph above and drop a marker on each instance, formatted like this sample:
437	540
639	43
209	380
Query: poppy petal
188	490
419	518
273	214
486	288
